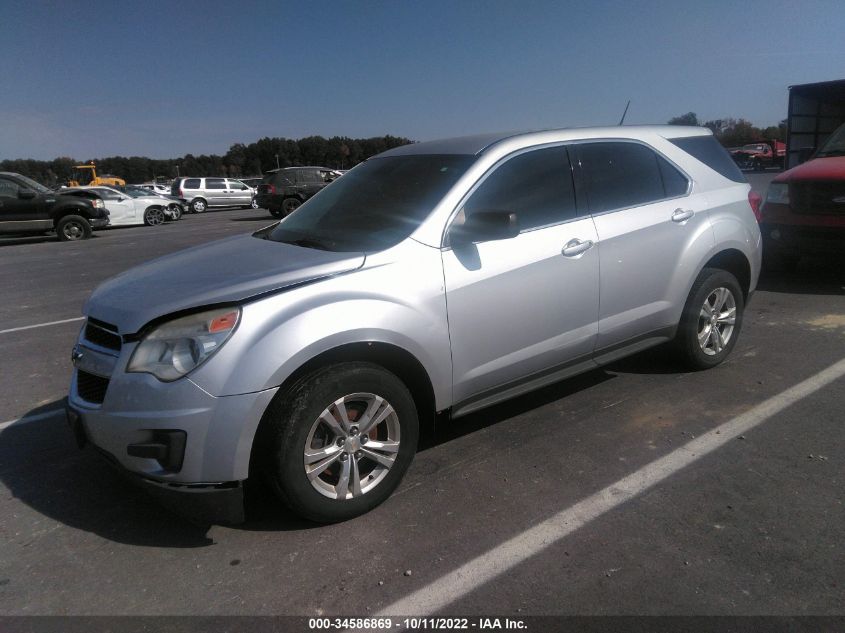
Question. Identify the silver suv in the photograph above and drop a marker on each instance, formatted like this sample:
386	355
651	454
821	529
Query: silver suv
434	279
203	193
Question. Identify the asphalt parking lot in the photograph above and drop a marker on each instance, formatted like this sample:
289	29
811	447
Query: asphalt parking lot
549	504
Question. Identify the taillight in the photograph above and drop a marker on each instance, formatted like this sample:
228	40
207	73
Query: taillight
756	201
271	188
181	195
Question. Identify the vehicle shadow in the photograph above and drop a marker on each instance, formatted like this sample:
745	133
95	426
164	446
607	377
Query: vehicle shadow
41	467
266	514
19	240
813	275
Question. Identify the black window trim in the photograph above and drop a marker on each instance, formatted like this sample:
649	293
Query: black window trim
580	212
579	177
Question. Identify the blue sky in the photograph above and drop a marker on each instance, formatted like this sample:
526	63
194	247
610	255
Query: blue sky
163	79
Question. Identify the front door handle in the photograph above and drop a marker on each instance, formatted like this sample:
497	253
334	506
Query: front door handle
682	215
576	247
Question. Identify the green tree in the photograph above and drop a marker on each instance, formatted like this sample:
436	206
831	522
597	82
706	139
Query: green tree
690	118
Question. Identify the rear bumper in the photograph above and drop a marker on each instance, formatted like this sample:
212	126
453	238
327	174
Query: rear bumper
272	202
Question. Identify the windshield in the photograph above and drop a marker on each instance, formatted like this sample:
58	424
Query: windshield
835	144
138	192
374	206
35	186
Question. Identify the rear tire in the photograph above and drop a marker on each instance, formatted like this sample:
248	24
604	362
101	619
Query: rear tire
328	469
289	205
176	212
711	320
154	216
199	205
72	228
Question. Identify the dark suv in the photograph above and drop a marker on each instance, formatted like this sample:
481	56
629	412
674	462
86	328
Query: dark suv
29	207
283	190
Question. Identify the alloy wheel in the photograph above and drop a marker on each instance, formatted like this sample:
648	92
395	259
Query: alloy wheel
352	445
716	321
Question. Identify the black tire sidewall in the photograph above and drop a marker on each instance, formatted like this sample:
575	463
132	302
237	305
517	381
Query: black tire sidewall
707	281
286	202
60	226
194	208
291	416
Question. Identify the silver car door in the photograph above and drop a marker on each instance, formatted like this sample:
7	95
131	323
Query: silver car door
121	207
525	307
215	189
239	194
651	228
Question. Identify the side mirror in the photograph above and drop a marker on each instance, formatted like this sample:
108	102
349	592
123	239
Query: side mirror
26	194
485	226
120	198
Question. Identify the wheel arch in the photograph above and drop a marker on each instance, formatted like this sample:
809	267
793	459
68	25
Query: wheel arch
393	358
735	262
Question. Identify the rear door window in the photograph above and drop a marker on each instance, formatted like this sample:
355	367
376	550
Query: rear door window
619	175
215	183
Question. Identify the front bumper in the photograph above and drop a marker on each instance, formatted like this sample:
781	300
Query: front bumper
173	435
98	223
220	503
799	239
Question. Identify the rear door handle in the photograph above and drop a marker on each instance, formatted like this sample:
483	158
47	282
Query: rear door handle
682	215
576	247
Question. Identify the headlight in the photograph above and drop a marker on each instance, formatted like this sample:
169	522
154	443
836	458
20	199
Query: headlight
778	193
173	349
98	204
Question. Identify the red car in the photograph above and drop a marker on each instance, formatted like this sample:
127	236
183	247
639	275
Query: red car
804	211
759	155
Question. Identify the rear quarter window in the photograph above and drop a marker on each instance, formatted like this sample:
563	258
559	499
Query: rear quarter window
708	150
191	183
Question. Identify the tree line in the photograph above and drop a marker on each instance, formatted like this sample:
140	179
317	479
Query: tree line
734	132
241	161
338	152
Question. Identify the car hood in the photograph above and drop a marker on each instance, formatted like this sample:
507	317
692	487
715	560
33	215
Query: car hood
230	270
829	168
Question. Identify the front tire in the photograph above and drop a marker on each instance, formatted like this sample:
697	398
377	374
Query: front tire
711	320
176	212
339	441
72	228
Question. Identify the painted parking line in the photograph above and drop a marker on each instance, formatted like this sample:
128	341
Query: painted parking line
455	585
29	327
32	418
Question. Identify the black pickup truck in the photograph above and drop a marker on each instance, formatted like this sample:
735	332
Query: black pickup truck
29	207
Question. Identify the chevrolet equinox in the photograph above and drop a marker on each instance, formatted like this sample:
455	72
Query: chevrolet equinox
436	278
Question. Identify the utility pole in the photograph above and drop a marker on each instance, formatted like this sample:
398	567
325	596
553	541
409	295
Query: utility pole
277	161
